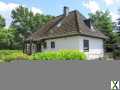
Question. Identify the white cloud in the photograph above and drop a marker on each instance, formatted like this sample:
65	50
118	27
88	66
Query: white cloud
110	2
92	5
6	8
36	10
114	16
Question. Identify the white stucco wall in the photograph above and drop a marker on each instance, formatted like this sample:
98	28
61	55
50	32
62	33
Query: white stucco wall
63	43
96	49
76	42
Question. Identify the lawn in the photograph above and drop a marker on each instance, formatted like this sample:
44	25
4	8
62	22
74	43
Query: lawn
10	55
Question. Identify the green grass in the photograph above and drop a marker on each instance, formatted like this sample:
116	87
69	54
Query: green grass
10	55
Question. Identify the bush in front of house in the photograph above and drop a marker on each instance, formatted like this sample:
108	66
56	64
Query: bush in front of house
10	55
116	53
60	55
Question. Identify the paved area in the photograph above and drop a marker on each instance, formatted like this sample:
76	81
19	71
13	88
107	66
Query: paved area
44	62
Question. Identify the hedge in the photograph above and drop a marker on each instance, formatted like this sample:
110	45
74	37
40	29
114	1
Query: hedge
10	55
60	55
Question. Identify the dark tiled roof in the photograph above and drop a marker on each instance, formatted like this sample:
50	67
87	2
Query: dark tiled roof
61	26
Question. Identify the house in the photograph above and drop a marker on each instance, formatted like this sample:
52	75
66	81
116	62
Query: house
116	26
71	30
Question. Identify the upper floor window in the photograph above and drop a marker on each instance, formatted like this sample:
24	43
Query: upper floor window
52	44
86	45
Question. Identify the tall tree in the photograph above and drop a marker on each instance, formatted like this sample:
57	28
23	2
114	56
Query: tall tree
24	21
2	22
103	22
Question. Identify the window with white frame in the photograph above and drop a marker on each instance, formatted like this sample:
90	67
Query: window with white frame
52	44
86	45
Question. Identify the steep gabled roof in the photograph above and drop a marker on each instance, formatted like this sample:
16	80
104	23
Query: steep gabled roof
72	24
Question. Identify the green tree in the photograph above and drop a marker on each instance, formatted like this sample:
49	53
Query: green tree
103	22
24	21
2	22
7	38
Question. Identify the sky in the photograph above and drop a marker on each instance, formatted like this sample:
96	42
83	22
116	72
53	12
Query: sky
55	7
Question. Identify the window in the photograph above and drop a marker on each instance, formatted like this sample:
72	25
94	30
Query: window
52	44
59	24
118	22
45	45
86	45
92	28
27	47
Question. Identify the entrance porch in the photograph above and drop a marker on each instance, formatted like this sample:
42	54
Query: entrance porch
31	47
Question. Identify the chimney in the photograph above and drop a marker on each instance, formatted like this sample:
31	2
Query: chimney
66	11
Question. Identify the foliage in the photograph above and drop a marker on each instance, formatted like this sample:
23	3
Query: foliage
102	21
116	54
7	38
10	55
2	22
24	21
60	55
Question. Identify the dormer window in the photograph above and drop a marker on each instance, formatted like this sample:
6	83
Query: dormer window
59	24
92	28
88	23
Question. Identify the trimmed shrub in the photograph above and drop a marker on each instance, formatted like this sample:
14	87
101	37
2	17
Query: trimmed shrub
60	55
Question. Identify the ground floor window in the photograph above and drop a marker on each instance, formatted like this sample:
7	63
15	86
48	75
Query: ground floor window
33	47
44	45
38	47
52	44
86	45
27	47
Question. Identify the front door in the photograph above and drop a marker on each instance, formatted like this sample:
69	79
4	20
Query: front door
38	47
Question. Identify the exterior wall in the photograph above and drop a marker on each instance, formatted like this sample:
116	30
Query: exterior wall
96	49
63	43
